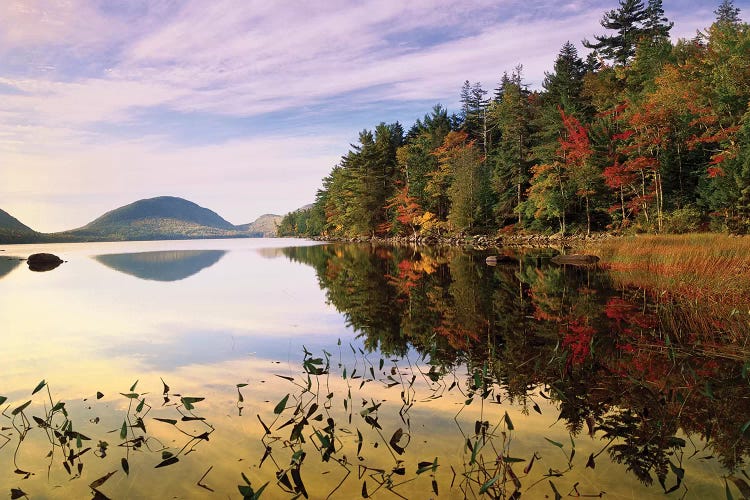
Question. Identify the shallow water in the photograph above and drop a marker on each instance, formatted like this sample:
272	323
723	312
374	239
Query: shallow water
414	373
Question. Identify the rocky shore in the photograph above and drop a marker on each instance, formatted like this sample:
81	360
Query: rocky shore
482	242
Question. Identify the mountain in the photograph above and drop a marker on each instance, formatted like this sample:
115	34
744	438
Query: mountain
14	231
264	226
165	217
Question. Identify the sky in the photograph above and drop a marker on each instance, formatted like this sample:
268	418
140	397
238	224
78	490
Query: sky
243	106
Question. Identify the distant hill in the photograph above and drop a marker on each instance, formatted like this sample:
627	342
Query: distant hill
14	231
264	226
165	217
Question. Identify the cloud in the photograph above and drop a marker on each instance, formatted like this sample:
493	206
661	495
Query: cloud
245	104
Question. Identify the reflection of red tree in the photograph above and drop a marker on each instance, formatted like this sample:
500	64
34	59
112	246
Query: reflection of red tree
578	339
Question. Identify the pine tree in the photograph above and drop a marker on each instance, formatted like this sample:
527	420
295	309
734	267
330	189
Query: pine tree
727	13
626	21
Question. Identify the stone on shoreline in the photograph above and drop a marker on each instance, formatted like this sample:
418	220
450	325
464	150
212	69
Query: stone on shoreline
40	262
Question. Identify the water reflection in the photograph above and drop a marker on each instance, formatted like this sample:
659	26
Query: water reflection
460	380
628	366
172	265
7	265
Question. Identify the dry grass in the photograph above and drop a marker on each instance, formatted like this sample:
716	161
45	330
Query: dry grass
712	268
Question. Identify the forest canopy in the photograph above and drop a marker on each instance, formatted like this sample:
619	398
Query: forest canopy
641	134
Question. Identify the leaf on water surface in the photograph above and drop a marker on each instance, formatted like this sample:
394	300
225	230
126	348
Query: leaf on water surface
125	465
290	379
191	419
487	485
20	408
166	387
94	485
165	463
140	405
527	469
537	409
435	487
590	462
395	439
3	399
265	427
281	405
559	445
166	454
364	490
241	385
189	401
166	420
39	421
16	493
99	395
508	421
39	387
558	496
130	395
124	430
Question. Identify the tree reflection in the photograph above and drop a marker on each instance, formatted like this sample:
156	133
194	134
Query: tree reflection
633	367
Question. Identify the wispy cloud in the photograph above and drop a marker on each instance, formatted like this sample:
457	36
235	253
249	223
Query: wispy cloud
112	97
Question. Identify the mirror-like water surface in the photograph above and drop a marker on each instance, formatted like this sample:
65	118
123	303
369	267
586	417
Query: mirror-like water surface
205	368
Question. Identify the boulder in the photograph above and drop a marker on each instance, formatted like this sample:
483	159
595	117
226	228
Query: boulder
575	259
40	262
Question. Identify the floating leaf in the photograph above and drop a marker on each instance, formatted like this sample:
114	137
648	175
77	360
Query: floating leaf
364	490
508	422
169	461
166	454
281	405
486	486
558	496
559	445
20	408
395	439
16	493
590	462
124	430
99	395
189	401
241	385
527	469
102	480
140	405
130	395
125	465
39	387
3	399
537	409
166	420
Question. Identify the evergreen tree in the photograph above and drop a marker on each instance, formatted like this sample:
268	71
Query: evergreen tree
727	13
563	86
626	21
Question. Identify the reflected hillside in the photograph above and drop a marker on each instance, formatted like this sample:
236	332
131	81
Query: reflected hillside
637	370
7	265
171	265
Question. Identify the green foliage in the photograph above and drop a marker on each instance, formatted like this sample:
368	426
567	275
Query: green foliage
626	146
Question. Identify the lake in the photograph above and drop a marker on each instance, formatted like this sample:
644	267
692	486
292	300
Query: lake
217	368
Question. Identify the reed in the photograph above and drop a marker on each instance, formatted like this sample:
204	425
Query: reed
701	267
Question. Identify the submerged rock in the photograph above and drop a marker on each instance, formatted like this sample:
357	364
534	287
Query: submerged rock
40	262
575	259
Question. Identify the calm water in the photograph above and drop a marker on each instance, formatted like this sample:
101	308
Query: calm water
193	369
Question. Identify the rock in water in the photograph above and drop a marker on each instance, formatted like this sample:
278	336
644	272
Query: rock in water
575	259
40	262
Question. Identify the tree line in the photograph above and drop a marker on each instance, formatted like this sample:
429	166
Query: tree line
640	135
